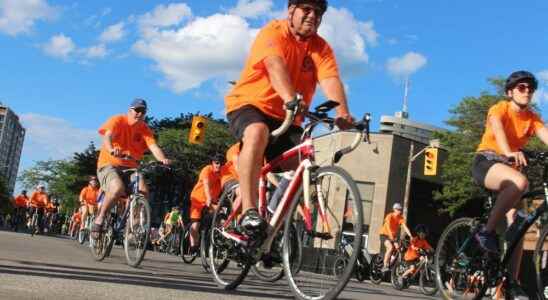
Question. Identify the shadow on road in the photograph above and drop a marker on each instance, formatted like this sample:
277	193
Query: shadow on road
140	278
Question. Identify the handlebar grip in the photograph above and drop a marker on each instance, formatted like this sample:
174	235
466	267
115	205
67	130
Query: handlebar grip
291	109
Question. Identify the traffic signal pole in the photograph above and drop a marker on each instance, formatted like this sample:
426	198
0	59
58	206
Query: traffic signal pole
408	177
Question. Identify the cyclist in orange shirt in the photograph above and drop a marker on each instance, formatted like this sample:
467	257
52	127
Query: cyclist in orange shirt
88	199
389	233
509	126
20	203
38	202
412	255
123	135
76	220
286	62
204	194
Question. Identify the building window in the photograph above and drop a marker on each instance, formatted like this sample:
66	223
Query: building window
367	192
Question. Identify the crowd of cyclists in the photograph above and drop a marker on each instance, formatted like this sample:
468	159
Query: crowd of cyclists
287	60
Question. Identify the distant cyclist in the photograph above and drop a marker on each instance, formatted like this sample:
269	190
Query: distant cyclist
288	59
38	202
509	126
21	204
389	233
88	199
205	194
123	135
172	220
412	256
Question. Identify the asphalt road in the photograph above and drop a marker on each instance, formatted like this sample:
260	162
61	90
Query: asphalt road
46	267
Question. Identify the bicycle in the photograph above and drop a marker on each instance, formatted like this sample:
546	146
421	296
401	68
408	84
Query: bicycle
36	220
376	275
424	270
133	225
84	233
363	263
313	277
464	271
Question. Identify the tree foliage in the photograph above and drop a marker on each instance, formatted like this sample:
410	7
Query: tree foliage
467	120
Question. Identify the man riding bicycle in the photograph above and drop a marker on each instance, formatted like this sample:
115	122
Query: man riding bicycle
123	136
204	194
21	204
389	233
509	126
38	202
287	60
88	199
171	221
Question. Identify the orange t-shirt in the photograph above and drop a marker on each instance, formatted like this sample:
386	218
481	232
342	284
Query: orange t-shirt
519	127
392	223
133	140
21	201
90	194
50	206
307	63
412	254
228	170
39	199
198	193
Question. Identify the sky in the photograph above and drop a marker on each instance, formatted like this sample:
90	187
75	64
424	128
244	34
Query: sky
67	66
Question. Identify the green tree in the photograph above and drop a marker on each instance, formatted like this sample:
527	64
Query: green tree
467	120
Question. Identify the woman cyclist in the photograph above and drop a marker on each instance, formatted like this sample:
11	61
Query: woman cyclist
509	126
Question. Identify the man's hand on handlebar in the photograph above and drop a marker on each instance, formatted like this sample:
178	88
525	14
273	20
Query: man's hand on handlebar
165	161
344	122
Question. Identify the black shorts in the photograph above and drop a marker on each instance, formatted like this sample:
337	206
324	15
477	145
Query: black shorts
241	118
385	238
483	161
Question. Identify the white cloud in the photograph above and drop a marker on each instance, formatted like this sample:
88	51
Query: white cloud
165	16
97	51
190	50
59	46
202	49
541	95
406	65
113	33
53	138
350	47
19	16
252	8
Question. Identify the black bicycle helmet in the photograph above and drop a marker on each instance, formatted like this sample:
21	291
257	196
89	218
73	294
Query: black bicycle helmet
518	77
23	192
218	157
320	3
421	228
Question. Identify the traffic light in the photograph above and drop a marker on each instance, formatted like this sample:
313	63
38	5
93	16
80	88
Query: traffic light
430	161
197	131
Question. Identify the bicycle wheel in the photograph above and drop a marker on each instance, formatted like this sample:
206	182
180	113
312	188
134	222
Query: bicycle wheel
227	259
186	254
459	264
82	236
137	230
100	247
396	275
375	272
339	196
427	280
540	258
204	249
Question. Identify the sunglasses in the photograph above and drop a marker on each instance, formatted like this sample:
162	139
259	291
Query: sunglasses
522	87
307	9
140	110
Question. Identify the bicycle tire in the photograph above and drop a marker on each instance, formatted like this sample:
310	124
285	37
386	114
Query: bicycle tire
324	256
396	272
452	281
231	271
204	249
137	232
427	280
540	259
375	272
81	236
100	247
187	257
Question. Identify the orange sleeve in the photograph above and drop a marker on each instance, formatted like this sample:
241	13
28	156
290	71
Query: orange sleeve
267	43
148	136
537	124
83	193
497	110
402	221
325	62
110	124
